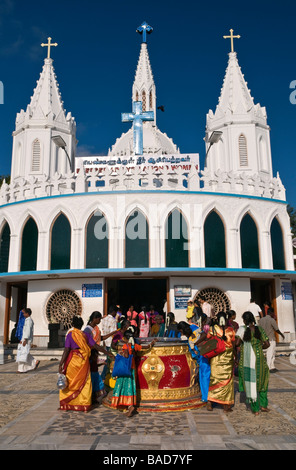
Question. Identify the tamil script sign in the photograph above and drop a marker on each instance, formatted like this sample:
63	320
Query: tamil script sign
185	161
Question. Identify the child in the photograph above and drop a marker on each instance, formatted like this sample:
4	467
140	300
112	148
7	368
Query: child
125	392
189	310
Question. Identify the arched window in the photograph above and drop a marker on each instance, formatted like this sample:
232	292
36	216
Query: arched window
4	248
249	243
263	154
144	104
18	160
97	242
60	244
277	245
36	156
137	96
214	241
243	150
136	241
29	246
150	100
176	236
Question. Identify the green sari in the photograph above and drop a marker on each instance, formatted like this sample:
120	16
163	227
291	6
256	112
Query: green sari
253	370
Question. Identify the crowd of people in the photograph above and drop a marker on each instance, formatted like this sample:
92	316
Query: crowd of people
220	346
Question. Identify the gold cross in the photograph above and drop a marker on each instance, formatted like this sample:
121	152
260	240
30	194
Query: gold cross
232	38
49	45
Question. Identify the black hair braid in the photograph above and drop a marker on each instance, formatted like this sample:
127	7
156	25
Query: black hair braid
249	319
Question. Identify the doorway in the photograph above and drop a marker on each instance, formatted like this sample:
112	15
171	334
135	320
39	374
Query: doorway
264	290
137	292
16	300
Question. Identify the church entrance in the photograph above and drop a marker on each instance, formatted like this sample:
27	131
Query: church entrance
263	290
137	292
16	300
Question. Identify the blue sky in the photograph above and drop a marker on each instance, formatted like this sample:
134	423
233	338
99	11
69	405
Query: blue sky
98	52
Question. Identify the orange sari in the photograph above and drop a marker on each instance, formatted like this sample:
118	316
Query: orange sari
78	395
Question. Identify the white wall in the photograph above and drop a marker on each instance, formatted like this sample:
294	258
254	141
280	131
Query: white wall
39	293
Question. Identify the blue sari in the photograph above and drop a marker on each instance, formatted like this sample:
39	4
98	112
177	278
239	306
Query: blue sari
203	362
20	326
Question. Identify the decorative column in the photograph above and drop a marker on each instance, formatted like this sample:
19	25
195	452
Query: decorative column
232	248
14	254
43	252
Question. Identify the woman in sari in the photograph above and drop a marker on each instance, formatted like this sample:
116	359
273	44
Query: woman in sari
221	389
93	328
195	333
144	323
125	391
253	369
76	366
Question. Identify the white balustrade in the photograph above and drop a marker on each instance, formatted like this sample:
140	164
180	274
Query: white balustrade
143	179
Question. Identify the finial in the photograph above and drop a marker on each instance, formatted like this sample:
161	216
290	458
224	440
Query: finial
231	37
49	45
145	29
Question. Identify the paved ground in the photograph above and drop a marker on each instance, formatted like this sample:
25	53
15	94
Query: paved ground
30	420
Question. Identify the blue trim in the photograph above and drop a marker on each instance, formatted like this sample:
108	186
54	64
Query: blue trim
148	271
143	191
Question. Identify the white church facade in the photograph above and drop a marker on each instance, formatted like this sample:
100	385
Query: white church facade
144	224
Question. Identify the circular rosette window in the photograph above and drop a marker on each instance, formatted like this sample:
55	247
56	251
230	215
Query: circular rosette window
62	306
217	298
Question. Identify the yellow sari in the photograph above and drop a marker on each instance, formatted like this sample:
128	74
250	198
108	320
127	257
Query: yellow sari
221	388
78	395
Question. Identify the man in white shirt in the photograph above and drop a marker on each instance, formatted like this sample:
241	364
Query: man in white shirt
109	324
206	307
26	362
254	309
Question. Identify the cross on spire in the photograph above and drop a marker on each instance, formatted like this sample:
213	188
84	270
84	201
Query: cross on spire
231	37
145	29
49	45
137	117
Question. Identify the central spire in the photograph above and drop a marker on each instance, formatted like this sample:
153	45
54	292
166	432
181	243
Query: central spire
144	87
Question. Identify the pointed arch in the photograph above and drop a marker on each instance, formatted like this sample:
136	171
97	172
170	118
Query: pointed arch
249	243
97	241
277	245
60	246
214	241
176	240
136	240
29	246
4	247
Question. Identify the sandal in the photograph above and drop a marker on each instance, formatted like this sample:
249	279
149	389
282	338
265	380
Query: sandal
209	406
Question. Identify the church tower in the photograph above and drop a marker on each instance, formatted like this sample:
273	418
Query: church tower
244	144
144	90
144	87
35	152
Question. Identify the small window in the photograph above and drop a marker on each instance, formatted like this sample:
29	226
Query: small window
243	150
144	100
150	100
36	156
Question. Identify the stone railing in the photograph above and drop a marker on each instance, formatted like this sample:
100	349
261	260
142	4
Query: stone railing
142	179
